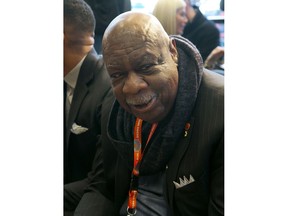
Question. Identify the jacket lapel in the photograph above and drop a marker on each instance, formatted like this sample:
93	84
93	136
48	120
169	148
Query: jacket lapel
174	163
81	90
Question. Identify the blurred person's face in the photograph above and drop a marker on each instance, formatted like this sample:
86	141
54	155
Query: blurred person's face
144	74
181	20
75	46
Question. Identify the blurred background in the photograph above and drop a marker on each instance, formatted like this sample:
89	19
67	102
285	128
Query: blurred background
210	8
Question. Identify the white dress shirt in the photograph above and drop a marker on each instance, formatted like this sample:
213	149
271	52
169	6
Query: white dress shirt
71	80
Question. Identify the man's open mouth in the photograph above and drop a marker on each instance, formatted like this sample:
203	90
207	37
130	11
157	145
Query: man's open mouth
143	104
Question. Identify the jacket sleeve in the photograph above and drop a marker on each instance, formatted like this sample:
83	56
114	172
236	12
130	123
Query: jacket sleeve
216	202
95	200
99	193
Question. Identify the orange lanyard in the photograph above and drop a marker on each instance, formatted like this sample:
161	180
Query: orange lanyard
131	209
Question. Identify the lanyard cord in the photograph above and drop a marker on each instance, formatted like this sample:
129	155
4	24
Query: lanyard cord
131	209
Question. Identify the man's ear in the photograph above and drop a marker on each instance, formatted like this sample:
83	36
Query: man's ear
173	50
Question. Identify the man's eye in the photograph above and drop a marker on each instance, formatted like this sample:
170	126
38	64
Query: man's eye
145	67
116	75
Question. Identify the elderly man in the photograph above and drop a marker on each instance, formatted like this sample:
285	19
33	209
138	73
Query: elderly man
164	148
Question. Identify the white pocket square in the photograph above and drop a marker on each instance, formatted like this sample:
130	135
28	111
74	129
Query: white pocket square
77	129
183	182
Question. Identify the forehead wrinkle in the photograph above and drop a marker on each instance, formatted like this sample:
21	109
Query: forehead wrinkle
122	43
114	62
135	56
129	46
117	62
147	33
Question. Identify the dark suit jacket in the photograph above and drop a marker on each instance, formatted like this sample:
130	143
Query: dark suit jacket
93	85
106	10
200	154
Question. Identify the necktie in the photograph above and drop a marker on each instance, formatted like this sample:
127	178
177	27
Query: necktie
69	95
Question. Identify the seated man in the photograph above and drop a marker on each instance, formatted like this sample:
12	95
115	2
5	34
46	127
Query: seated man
86	86
164	149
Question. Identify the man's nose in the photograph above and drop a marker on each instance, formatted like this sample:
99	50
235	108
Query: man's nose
134	83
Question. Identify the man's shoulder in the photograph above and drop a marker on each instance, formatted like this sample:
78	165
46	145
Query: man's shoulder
210	98
213	81
94	64
94	59
94	72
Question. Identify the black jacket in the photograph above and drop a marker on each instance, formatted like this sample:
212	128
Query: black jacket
106	10
93	85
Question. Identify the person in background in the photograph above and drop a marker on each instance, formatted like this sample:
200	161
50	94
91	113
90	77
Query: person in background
166	126
215	60
105	11
172	15
200	31
85	87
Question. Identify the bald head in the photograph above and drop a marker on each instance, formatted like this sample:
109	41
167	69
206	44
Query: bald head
134	27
